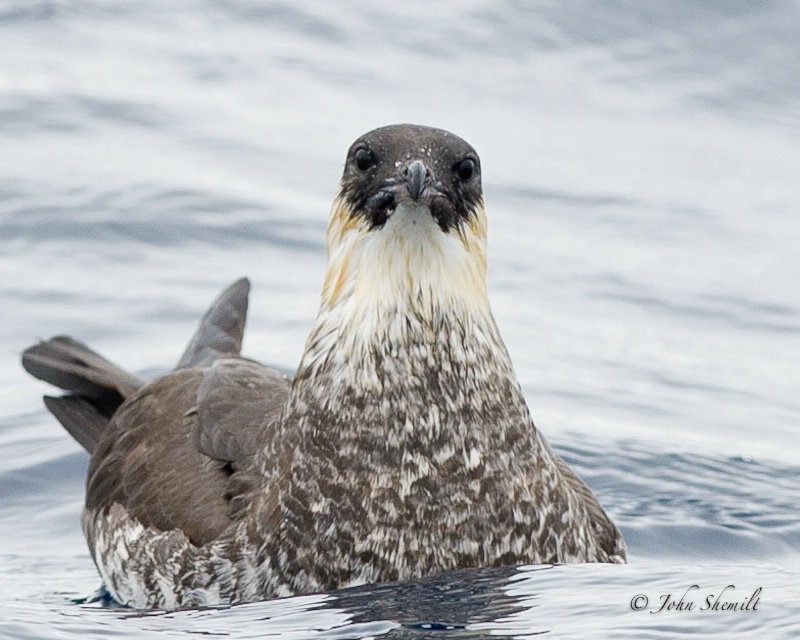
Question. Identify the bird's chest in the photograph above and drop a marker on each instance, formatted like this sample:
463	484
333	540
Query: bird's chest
403	497
403	464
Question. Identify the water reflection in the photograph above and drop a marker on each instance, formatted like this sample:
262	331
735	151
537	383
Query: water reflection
458	604
470	603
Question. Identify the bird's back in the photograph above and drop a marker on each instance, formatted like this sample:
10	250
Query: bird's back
178	453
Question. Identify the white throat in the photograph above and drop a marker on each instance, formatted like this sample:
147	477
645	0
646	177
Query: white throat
407	268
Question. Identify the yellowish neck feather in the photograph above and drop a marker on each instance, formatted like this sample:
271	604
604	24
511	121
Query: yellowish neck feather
409	268
409	264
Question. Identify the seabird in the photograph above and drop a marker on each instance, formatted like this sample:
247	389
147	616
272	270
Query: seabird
401	448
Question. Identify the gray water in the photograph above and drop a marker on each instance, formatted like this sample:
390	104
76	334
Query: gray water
640	164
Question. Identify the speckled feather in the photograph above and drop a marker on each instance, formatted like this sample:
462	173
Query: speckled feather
403	446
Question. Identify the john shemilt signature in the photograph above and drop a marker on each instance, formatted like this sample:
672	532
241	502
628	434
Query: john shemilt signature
725	600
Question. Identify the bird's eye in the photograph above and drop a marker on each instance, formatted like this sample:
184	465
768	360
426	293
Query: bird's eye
365	158
465	169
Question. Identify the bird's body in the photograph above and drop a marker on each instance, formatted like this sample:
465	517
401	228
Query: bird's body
402	447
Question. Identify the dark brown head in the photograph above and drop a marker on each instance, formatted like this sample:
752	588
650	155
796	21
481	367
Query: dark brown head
405	162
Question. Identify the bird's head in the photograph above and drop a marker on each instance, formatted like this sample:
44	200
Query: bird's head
408	227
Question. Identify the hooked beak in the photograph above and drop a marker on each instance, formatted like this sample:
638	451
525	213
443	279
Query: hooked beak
415	179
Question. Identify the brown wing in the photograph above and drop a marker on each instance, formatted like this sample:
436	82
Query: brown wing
220	332
235	398
239	403
180	453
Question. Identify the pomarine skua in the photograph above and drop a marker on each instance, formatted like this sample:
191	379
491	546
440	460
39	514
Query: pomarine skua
402	447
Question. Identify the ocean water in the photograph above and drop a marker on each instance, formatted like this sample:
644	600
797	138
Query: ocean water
641	164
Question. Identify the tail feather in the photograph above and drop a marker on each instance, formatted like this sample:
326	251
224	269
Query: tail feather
72	366
97	387
79	417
